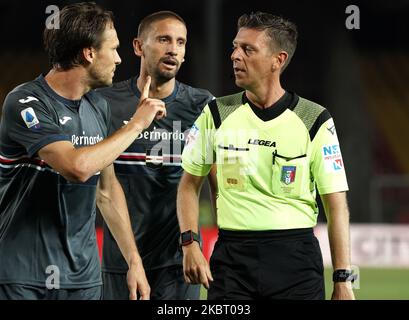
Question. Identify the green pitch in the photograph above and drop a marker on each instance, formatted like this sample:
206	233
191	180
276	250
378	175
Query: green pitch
374	284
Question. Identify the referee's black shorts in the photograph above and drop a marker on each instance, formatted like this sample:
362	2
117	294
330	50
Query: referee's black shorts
278	264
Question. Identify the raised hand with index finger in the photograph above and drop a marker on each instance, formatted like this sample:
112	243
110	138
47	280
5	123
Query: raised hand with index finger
148	109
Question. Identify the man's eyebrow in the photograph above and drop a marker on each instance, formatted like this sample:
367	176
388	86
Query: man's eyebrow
242	44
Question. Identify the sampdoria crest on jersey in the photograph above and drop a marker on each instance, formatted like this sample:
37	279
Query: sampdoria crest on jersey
30	118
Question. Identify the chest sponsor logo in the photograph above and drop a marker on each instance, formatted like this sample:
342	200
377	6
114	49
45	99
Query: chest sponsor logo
158	134
85	139
30	118
65	119
265	143
288	174
27	100
332	158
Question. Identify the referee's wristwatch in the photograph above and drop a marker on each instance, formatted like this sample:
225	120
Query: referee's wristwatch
344	275
188	237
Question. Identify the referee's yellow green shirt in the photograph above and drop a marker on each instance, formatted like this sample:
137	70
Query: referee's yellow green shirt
267	171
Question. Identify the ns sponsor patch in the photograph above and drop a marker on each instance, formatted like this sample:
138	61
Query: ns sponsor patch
332	157
30	118
192	136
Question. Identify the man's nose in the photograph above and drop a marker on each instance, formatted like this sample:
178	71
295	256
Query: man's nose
117	59
235	55
172	48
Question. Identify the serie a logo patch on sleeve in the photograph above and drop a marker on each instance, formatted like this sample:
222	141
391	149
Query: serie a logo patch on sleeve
30	118
332	158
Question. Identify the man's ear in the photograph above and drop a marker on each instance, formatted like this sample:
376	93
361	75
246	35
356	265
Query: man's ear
137	47
282	57
279	60
89	54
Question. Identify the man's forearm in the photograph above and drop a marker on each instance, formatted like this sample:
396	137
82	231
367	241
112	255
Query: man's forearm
113	207
79	164
188	202
338	230
93	159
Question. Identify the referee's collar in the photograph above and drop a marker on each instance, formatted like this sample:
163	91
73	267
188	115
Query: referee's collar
287	101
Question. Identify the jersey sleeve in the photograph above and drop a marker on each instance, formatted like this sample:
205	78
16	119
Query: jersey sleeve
30	123
198	153
327	165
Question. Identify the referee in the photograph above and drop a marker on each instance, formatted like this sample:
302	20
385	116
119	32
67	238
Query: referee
272	149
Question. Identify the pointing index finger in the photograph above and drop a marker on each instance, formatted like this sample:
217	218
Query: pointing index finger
145	91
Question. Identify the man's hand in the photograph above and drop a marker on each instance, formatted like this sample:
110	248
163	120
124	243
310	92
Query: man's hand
343	291
137	282
148	109
195	267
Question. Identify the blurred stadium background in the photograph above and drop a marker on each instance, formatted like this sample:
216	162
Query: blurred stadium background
361	76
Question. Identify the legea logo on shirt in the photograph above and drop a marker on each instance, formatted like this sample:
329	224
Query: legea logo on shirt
30	118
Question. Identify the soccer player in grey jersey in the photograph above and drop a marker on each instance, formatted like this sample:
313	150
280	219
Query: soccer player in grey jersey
56	163
150	169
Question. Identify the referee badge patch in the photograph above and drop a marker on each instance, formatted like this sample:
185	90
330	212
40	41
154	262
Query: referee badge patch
288	174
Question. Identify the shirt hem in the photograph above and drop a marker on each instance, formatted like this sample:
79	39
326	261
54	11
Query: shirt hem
40	284
117	270
194	172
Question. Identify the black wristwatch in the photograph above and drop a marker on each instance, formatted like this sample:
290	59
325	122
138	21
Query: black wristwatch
188	237
343	275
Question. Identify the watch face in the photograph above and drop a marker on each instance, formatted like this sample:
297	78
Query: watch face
186	237
343	275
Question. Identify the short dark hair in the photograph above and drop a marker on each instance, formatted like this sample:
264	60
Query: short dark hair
157	16
282	31
81	25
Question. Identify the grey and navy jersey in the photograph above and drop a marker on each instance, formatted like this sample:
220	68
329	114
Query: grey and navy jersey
46	220
149	172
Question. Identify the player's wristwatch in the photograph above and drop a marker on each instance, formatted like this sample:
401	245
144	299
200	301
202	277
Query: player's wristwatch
188	237
343	275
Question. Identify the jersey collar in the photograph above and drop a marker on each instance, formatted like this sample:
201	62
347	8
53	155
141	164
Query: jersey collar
71	103
287	101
